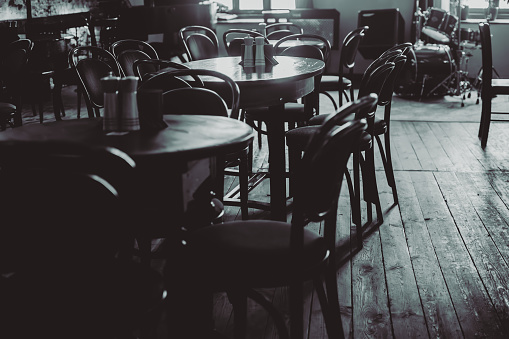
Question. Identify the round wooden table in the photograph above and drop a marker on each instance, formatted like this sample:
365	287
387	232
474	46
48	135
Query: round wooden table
171	163
291	79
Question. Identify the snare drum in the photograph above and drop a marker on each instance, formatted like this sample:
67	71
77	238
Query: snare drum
429	64
470	36
440	25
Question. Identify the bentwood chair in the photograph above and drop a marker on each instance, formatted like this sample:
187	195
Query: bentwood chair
279	30
62	265
132	44
91	64
489	87
127	58
200	42
298	138
146	68
234	38
294	113
342	83
239	257
13	63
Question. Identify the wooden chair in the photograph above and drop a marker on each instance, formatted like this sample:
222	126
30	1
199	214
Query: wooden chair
234	38
91	64
200	42
132	44
279	30
489	87
127	58
342	83
63	265
146	68
240	256
294	113
13	66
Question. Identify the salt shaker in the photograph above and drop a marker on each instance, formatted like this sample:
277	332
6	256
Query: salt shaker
129	118
111	117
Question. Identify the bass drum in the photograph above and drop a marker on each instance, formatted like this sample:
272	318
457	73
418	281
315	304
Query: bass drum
426	67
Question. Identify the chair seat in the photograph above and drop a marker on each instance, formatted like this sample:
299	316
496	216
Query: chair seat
500	86
292	112
330	83
7	108
298	138
253	253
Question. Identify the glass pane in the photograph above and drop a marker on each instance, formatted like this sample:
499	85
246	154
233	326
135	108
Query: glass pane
282	4
251	4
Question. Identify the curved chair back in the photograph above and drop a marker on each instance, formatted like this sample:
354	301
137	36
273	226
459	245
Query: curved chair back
279	30
322	44
200	42
487	59
382	59
322	168
91	64
387	91
375	83
132	44
194	101
230	93
350	46
404	47
234	38
127	58
144	69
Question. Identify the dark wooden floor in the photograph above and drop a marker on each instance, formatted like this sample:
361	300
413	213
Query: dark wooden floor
438	266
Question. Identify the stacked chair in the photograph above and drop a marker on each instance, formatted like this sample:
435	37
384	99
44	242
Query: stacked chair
378	78
240	256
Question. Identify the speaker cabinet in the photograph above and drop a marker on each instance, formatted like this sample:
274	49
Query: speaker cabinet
386	29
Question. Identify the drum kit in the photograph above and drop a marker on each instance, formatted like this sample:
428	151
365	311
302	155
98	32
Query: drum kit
438	66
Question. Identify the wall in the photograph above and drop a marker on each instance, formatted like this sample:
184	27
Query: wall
348	18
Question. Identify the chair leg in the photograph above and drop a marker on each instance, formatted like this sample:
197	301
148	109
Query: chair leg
485	121
294	157
78	93
296	310
244	182
356	209
387	163
239	303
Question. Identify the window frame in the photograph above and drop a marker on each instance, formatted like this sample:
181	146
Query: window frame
236	8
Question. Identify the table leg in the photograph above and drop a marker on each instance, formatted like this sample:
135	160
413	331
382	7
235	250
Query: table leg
277	163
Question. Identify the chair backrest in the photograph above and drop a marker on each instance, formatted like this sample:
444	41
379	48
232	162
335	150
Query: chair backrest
147	68
91	64
387	91
234	38
127	58
303	50
227	89
70	185
13	62
279	30
404	47
132	44
349	49
200	42
382	59
374	84
487	58
321	174
194	101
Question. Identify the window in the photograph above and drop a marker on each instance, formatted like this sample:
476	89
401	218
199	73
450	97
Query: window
257	5
484	4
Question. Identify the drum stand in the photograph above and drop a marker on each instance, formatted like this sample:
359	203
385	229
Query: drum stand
457	82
